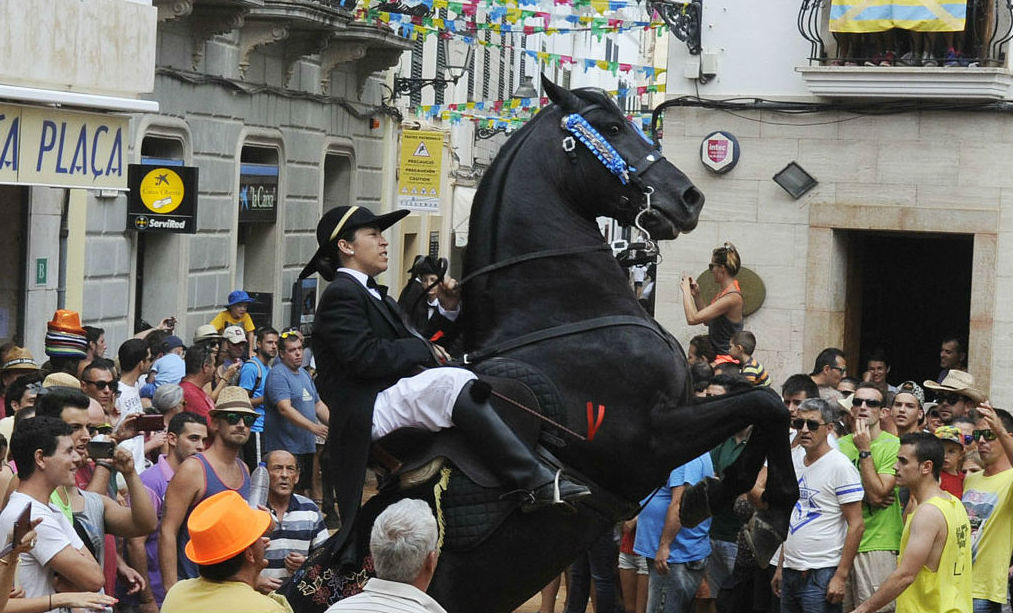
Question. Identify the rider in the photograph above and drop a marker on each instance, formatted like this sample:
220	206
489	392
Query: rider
371	369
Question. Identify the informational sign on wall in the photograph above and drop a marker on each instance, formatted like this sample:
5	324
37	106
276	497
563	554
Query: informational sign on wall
420	170
162	198
258	193
44	146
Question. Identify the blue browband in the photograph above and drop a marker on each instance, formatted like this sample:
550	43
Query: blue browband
602	149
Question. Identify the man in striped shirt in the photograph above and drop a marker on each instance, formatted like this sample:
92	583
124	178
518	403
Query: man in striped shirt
300	524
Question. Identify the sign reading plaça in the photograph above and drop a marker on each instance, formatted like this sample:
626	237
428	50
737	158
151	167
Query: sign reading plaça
40	146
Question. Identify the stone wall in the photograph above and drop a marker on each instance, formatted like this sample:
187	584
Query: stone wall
215	118
924	171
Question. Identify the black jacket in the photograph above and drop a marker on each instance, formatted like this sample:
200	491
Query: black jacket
361	348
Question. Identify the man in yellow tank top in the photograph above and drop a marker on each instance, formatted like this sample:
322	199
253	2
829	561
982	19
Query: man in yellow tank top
934	567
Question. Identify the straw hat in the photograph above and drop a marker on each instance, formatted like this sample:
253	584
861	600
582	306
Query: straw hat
958	382
235	400
206	332
19	358
61	379
222	526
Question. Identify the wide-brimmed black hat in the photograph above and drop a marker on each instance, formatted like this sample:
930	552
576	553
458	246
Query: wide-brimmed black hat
336	221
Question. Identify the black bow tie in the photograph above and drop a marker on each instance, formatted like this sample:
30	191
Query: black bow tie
372	284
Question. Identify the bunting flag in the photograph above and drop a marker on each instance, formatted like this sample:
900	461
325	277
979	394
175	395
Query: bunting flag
512	22
512	108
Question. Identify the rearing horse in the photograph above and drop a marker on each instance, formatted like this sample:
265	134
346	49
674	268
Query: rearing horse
542	288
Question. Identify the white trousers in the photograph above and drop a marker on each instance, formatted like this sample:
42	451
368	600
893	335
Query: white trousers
423	401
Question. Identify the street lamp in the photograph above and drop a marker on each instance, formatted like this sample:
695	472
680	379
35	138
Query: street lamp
525	90
404	86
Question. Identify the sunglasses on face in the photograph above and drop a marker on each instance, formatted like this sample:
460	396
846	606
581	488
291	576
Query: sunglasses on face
950	398
872	403
988	435
93	430
812	424
101	385
968	438
234	418
846	393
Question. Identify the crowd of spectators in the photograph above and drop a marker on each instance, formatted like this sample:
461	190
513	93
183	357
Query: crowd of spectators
112	458
119	459
848	546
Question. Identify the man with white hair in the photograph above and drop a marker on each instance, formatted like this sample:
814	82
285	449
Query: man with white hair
403	544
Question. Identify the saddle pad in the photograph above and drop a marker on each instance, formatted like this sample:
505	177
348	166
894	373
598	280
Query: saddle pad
549	402
470	513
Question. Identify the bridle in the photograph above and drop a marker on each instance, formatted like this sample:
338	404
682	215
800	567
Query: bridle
577	128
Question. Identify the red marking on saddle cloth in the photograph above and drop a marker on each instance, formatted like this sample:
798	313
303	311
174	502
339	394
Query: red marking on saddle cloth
436	337
594	423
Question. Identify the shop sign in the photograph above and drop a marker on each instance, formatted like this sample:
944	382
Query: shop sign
162	198
53	147
420	170
258	193
719	152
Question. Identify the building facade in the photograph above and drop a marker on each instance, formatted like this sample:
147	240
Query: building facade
906	238
278	106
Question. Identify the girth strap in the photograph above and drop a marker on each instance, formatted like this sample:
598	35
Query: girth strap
563	330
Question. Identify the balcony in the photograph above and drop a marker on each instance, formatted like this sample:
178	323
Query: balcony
320	28
869	59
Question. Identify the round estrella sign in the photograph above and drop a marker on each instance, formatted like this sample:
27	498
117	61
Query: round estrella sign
161	190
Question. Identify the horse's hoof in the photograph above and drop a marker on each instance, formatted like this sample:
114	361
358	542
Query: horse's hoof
763	539
695	506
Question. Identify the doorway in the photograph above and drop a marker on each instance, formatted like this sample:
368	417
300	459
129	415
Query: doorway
14	254
906	291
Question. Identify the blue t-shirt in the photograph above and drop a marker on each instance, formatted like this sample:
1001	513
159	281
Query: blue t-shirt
248	375
690	544
279	432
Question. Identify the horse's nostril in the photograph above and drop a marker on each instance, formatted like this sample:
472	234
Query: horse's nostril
692	197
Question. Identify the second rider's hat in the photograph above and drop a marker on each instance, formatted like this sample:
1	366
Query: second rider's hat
340	219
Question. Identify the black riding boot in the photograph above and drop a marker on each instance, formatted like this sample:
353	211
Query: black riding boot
506	455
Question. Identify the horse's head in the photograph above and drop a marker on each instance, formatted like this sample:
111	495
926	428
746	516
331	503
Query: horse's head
637	183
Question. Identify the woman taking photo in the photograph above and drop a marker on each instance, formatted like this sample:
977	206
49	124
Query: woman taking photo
723	316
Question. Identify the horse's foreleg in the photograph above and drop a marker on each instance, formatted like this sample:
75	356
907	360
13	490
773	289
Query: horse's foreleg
768	442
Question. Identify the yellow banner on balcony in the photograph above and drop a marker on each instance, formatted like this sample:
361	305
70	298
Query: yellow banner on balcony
863	16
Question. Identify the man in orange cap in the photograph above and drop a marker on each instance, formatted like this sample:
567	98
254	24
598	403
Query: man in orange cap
227	542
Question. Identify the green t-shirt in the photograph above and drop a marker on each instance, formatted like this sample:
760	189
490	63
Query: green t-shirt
883	527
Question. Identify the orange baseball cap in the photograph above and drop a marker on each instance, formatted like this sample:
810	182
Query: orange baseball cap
222	526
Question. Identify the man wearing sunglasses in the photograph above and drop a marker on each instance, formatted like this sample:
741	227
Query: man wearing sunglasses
956	395
203	475
874	452
826	525
988	500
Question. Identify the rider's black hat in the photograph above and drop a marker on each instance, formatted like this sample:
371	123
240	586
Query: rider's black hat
340	219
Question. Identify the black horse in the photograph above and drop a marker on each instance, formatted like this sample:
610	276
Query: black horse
542	289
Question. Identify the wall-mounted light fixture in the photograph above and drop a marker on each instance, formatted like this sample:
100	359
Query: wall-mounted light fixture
795	180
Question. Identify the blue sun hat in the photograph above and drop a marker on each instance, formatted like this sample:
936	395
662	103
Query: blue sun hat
239	297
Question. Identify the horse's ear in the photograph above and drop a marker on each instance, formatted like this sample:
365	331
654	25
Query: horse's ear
563	97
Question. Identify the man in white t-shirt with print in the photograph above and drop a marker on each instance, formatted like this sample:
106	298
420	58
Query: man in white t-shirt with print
826	525
44	453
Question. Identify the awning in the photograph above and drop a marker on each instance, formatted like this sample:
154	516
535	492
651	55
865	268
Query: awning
463	197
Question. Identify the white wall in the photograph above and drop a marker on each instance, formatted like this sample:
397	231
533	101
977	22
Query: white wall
758	47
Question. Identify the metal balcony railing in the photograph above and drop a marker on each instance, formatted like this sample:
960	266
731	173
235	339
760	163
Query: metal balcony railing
983	43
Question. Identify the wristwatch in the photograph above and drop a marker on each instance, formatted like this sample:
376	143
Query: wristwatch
864	454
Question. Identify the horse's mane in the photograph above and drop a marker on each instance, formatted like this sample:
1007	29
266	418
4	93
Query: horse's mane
485	208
